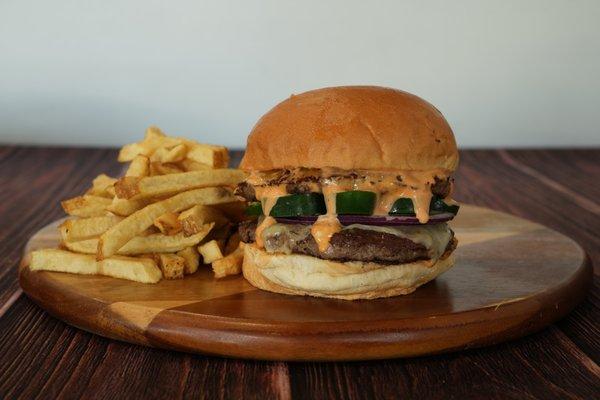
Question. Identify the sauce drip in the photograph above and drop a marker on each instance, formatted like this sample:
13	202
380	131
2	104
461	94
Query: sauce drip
322	230
387	185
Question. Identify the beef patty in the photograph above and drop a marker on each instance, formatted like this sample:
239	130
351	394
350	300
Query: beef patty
347	245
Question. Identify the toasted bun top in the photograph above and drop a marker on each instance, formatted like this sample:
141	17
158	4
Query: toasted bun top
352	127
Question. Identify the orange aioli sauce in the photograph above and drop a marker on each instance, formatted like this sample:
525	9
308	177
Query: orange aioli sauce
327	225
268	196
415	185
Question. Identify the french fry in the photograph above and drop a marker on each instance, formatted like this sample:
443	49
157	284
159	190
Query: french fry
124	207
153	140
142	270
172	155
117	236
192	259
158	168
215	156
230	264
172	266
193	219
159	243
168	224
153	243
210	251
139	166
87	246
86	206
154	186
80	229
190	165
102	186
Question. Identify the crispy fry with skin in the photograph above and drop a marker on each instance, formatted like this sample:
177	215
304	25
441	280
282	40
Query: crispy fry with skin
117	236
153	186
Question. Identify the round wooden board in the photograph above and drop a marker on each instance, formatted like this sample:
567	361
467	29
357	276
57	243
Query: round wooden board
511	277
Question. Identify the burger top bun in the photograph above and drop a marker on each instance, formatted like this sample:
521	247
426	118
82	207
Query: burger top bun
352	127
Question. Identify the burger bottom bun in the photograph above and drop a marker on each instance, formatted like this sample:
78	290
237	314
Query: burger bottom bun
303	275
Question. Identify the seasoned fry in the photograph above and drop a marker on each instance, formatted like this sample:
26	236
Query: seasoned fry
171	265
86	206
193	219
80	229
168	224
136	269
117	236
229	265
192	259
153	186
215	156
210	251
140	166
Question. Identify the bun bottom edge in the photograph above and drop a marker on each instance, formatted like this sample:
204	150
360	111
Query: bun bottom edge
302	275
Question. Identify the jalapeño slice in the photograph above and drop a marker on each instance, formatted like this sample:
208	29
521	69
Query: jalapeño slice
438	205
404	206
356	202
296	205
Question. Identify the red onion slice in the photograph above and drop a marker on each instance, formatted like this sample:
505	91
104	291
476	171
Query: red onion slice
371	219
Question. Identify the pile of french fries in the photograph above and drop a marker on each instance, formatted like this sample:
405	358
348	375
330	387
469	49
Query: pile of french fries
172	210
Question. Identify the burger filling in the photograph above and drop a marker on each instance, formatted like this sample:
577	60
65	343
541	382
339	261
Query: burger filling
387	217
383	245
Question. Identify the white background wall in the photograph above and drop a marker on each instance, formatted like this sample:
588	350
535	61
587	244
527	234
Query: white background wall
505	73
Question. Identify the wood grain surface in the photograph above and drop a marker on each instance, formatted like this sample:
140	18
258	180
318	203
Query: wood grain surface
511	278
41	357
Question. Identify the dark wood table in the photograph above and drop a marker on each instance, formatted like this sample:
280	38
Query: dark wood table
41	357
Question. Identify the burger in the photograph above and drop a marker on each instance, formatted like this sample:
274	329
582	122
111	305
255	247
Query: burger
349	189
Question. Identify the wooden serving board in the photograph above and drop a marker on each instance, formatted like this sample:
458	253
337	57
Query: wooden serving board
512	277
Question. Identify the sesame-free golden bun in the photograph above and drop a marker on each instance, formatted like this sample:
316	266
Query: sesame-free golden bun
299	274
352	128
